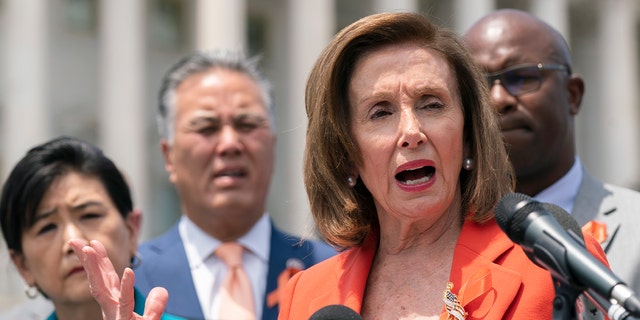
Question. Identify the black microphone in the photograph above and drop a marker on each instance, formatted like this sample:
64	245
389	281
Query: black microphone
528	223
569	224
335	312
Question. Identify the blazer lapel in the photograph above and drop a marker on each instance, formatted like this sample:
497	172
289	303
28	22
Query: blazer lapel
473	255
166	262
350	276
591	200
595	202
286	251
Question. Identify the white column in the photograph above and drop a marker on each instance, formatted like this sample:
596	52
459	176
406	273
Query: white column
395	5
553	12
122	127
25	119
619	105
221	24
467	12
311	25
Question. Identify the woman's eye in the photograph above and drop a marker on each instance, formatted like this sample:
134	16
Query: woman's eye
46	228
379	113
433	105
91	216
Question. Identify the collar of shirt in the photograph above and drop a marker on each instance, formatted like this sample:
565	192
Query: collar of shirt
564	191
207	271
199	245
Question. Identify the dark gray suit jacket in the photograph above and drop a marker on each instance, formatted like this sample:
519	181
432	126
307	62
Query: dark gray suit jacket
619	209
164	264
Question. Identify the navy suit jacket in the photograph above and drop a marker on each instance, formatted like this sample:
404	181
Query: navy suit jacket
164	264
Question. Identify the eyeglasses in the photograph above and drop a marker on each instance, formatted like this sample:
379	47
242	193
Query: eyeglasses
523	78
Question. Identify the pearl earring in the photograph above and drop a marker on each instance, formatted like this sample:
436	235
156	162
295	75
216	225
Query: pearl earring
467	164
351	181
31	292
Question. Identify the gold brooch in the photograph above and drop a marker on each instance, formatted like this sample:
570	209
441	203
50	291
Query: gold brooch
452	304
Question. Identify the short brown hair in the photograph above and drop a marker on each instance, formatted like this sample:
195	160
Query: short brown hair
345	215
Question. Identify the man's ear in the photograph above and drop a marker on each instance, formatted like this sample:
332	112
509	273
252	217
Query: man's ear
575	86
23	267
167	154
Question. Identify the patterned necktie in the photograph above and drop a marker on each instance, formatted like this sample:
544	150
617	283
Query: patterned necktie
236	297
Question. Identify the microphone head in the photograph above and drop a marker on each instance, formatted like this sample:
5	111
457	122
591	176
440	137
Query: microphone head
566	221
512	210
335	312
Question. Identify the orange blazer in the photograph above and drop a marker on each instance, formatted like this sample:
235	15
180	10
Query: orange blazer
491	275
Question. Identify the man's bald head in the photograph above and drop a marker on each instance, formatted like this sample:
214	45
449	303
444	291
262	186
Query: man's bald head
509	24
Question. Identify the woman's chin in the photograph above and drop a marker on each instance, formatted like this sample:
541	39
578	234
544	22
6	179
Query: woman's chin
77	287
80	296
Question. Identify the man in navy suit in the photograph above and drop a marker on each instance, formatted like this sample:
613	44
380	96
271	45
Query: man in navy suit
538	97
218	142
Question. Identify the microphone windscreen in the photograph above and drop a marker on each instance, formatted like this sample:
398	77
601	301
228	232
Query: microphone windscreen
508	205
335	312
566	221
512	210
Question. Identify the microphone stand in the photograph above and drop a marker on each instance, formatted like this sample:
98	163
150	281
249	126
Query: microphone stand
564	304
613	310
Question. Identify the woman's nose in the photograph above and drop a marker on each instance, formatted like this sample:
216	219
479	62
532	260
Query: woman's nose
411	131
72	231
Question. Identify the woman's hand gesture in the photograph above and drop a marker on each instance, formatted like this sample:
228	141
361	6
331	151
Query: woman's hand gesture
116	298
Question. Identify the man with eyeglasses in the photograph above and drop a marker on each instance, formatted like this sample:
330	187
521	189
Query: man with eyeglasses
528	65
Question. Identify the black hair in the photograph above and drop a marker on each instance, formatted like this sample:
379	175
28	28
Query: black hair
32	176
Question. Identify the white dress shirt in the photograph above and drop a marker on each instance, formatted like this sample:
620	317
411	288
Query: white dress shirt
564	191
208	271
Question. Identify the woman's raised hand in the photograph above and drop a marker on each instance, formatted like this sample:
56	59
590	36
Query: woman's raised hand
116	297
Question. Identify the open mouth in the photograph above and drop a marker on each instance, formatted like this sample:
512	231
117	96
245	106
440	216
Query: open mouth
231	173
416	176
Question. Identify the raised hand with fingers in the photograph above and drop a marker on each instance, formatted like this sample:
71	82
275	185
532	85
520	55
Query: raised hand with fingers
115	296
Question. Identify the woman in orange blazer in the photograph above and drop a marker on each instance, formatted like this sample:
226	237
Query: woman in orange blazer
500	281
404	164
